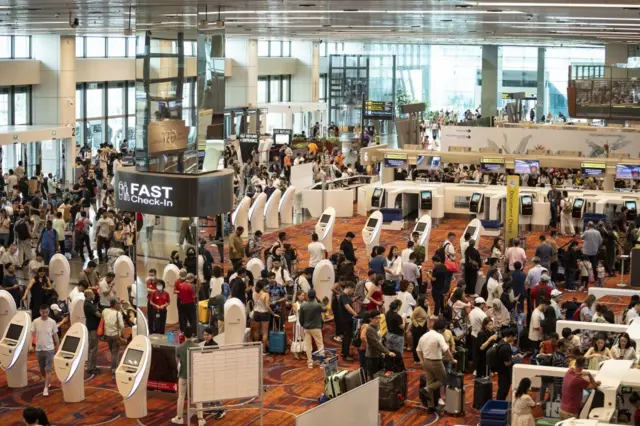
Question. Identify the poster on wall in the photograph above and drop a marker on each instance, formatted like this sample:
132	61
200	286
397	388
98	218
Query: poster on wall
591	142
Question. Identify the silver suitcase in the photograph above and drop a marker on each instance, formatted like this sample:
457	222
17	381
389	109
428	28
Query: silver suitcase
454	402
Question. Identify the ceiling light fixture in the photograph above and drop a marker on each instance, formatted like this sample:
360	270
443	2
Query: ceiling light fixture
547	4
591	18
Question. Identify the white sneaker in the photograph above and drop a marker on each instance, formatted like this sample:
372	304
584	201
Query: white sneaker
440	401
310	365
202	422
45	392
474	373
177	420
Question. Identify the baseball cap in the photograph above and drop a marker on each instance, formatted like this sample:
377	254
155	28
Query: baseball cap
480	301
545	278
190	276
55	307
555	293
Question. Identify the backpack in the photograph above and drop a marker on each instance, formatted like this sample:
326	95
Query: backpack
79	226
576	314
22	230
441	252
420	254
492	356
360	292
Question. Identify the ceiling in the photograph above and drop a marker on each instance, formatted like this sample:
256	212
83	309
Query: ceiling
590	22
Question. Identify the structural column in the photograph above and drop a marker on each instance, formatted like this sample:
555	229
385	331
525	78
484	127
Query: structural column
542	84
242	86
305	82
489	93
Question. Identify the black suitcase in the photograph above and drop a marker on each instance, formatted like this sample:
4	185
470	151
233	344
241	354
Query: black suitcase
455	379
482	391
394	363
392	390
461	356
423	397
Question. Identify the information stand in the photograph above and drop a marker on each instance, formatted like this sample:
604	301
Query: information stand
228	372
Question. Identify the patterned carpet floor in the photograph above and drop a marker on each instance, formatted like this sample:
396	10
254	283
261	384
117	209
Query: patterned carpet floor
291	388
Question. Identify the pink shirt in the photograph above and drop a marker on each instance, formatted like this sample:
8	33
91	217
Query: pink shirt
516	254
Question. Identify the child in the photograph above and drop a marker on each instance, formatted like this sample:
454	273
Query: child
586	270
601	273
328	314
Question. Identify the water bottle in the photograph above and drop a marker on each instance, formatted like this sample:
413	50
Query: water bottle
170	338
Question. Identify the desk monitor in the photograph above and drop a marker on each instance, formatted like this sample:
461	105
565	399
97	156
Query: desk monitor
14	331
527	200
526	167
133	357
425	195
475	197
70	344
371	223
578	203
421	226
471	230
628	171
377	197
631	205
324	219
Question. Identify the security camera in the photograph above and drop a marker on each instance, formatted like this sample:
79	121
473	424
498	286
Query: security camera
73	23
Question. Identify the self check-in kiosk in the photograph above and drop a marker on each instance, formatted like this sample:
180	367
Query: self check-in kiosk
324	228
378	198
476	203
170	276
285	206
7	310
14	348
577	211
474	228
526	205
59	272
124	276
68	363
426	200
256	213
371	231
271	210
324	277
240	217
132	375
255	266
235	323
423	227
76	311
632	207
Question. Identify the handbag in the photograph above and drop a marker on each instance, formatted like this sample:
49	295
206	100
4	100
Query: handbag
100	331
452	266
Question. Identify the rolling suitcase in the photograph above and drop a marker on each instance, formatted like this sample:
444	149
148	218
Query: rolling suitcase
455	379
546	422
353	379
335	384
277	339
482	390
203	311
454	402
392	390
461	356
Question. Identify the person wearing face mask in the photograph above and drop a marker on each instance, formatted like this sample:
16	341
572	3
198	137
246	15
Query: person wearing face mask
152	281
159	302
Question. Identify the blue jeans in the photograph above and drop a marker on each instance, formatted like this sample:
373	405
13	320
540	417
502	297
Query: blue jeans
47	254
554	214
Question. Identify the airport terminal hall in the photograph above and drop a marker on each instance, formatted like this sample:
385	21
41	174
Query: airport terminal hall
319	213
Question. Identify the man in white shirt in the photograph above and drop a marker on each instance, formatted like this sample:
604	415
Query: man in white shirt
302	282
107	290
407	252
431	349
554	302
535	328
45	331
316	251
103	231
632	313
282	275
516	254
463	247
449	248
10	256
78	291
113	325
476	317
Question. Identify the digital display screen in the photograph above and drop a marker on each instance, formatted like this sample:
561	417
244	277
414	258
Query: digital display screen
527	166
378	110
421	226
377	193
425	195
393	162
492	168
325	218
70	344
526	201
577	204
471	230
435	163
372	223
14	331
476	197
628	171
631	205
593	169
132	357
425	162
281	139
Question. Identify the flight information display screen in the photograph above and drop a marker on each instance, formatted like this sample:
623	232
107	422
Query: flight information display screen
594	169
526	167
628	171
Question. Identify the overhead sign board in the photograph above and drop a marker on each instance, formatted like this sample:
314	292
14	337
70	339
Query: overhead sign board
282	136
378	110
167	136
249	138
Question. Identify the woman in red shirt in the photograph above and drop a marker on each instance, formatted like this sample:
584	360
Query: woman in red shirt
375	295
186	301
159	301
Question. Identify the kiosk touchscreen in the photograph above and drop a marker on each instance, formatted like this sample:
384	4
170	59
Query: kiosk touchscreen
324	228
68	362
426	200
256	213
76	311
474	228
632	207
271	210
377	198
323	279
476	204
285	206
7	310
578	208
371	230
132	375
14	348
423	227
240	217
526	205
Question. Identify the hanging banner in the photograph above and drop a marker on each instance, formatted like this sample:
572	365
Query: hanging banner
513	208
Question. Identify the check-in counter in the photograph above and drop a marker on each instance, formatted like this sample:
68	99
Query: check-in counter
339	194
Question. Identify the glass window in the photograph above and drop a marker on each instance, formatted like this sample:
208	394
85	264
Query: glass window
4	108
79	104
285	89
79	47
190	48
131	47
263	48
116	47
322	89
5	47
95	47
262	90
274	90
286	48
115	101
21	47
95	100
95	135
131	100
116	131
21	105
276	49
